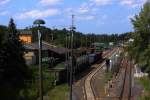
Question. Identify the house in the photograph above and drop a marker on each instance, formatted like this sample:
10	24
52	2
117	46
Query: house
25	36
49	51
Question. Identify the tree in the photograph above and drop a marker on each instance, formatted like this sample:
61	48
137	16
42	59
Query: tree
13	70
141	46
3	31
12	28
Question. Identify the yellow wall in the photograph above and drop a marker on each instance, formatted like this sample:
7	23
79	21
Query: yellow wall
25	38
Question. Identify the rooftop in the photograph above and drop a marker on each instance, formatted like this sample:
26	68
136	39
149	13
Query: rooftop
25	32
46	46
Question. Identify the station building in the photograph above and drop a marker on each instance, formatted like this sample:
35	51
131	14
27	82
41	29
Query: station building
25	36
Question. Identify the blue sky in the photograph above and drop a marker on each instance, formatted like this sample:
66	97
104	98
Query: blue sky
91	16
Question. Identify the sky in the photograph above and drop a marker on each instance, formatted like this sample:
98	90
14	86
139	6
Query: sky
91	16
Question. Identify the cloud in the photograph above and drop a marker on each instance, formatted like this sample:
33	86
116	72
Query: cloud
129	17
101	2
88	17
86	11
132	3
3	13
83	10
38	13
129	3
3	2
50	2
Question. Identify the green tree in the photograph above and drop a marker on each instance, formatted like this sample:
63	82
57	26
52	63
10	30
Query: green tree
13	70
3	31
141	46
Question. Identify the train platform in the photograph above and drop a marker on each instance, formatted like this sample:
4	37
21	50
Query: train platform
95	80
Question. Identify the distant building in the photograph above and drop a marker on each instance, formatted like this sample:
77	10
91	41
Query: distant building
138	73
25	36
48	51
99	46
111	43
131	40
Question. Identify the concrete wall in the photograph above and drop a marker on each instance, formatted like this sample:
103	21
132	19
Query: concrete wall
30	58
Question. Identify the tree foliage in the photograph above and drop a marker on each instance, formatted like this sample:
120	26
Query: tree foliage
3	31
13	70
59	36
140	48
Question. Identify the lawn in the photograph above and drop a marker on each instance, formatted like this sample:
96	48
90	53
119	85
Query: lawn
59	92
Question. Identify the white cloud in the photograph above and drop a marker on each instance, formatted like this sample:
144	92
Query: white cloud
3	13
3	2
88	17
130	16
84	8
50	2
132	3
38	13
101	2
129	3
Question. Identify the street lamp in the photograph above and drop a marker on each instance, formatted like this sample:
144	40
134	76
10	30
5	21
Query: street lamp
39	22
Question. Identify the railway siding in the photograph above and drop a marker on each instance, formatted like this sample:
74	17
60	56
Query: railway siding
89	91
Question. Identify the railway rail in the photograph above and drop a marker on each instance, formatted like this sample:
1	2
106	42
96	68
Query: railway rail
126	88
88	89
122	92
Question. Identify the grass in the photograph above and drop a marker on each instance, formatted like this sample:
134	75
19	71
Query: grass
51	92
61	65
31	91
59	92
145	82
108	76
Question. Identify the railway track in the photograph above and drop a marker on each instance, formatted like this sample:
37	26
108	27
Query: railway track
126	88
88	89
124	91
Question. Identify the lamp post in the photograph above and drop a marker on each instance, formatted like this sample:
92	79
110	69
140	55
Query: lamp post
39	22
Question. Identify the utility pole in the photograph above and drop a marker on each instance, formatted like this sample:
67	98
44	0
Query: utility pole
52	34
86	41
52	38
71	68
130	91
40	68
67	54
39	22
